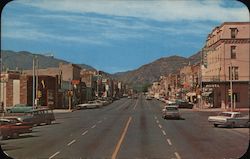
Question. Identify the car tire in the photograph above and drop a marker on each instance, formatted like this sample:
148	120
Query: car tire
232	125
15	135
4	137
215	125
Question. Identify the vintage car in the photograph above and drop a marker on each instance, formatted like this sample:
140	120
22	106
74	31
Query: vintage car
230	119
89	105
171	112
18	120
39	116
184	104
12	129
30	115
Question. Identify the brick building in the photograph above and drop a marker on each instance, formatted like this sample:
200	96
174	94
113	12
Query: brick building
225	57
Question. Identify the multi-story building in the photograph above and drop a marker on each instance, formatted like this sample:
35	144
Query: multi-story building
225	58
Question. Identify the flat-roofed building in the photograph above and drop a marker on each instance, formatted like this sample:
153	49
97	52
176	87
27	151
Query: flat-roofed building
226	55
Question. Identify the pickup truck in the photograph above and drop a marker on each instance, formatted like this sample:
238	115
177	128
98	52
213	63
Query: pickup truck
230	119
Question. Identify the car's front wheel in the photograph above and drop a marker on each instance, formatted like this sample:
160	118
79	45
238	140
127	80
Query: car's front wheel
232	125
215	125
15	135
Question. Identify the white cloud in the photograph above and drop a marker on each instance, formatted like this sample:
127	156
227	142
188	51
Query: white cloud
33	34
158	10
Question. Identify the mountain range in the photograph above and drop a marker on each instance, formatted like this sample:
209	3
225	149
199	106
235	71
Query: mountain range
151	72
23	60
145	74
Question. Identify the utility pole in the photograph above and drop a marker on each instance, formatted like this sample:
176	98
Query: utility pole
36	82
69	94
33	84
231	85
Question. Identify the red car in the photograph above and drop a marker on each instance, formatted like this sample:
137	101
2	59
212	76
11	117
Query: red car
12	129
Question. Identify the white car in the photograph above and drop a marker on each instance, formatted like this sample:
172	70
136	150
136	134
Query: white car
231	119
171	112
89	105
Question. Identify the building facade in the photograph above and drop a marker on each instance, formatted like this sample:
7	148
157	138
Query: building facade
226	58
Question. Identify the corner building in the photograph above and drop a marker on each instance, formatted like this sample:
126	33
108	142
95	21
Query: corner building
225	56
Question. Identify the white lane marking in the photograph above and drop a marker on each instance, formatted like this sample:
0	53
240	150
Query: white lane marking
169	142
164	133
54	154
177	155
160	126
71	142
157	121
85	132
100	121
135	104
93	126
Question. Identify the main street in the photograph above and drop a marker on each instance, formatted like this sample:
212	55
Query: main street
129	128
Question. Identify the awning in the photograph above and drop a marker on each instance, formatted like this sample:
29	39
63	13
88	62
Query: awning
206	94
191	94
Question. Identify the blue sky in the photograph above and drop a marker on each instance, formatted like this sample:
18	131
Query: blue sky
114	35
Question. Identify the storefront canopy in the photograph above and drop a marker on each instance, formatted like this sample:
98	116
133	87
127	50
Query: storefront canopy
191	94
206	94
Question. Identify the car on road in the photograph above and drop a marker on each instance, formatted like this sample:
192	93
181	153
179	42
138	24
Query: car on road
39	116
230	119
148	98
12	129
90	105
184	104
18	120
36	116
171	112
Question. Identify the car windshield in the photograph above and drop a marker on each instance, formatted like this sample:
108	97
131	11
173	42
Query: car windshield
225	114
171	108
124	79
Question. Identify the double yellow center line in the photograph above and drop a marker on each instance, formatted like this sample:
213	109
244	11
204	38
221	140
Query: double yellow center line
117	147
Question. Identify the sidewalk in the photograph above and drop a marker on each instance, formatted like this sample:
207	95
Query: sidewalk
220	109
63	110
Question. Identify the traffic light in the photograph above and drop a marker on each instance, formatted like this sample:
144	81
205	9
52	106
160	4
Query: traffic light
39	94
229	92
70	93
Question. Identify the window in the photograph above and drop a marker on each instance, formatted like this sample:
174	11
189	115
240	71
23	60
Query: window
233	52
234	31
236	73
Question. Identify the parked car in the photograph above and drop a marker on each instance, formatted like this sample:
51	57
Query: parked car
12	129
18	120
171	112
230	119
20	108
39	116
184	104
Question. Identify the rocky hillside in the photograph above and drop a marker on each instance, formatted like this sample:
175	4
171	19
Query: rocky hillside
23	60
152	71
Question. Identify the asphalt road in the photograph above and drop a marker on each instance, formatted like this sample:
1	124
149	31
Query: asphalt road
129	128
